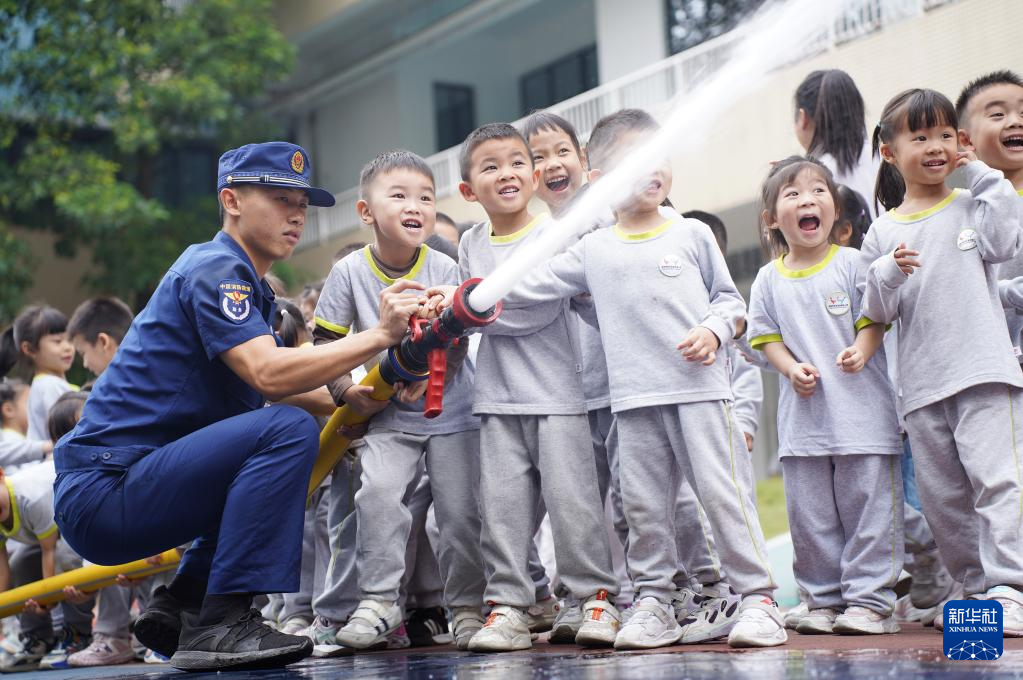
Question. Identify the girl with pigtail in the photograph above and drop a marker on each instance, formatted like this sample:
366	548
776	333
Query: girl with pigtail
932	260
38	338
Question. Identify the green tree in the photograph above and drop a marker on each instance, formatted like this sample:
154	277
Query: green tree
93	94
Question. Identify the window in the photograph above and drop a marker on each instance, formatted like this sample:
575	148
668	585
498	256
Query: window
454	108
559	80
691	22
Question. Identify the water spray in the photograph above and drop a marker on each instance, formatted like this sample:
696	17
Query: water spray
773	37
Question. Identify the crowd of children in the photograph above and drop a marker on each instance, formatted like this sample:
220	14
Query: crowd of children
613	405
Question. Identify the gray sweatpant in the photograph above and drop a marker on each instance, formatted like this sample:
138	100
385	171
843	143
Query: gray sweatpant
315	556
967	458
694	541
845	517
658	445
390	462
605	452
524	457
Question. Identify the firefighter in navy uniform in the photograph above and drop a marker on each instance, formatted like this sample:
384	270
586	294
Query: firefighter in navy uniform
175	445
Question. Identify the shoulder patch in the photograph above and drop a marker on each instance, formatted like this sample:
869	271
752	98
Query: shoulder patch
235	299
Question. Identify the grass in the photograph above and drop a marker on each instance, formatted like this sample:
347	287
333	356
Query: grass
771	506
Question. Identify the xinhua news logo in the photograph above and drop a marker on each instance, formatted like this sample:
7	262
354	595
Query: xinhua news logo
972	630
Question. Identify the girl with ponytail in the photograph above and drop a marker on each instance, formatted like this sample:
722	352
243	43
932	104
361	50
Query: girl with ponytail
830	125
932	260
38	339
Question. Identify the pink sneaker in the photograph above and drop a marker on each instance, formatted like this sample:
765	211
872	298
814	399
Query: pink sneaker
104	651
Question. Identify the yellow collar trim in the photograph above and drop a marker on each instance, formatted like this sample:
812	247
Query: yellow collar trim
913	217
420	261
1020	192
642	236
15	513
779	264
514	236
13	433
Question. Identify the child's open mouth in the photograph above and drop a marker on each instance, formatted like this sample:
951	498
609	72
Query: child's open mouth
1013	142
809	223
557	184
653	186
935	163
412	225
508	191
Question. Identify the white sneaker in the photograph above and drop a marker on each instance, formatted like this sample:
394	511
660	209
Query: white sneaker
543	614
931	581
295	625
651	625
600	622
718	612
566	626
466	622
506	630
322	631
759	624
370	624
817	622
1012	609
795	615
857	620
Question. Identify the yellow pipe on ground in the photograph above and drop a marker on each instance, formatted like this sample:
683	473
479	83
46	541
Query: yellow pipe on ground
87	579
94	577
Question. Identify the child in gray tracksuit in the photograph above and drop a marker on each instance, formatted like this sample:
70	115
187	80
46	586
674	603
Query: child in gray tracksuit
933	258
839	437
655	282
397	200
535	436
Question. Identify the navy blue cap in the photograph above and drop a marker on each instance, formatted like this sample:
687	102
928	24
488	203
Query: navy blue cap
271	164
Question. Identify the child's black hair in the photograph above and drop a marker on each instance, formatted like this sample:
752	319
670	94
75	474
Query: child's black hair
781	174
64	414
31	325
834	104
853	209
10	390
396	159
100	315
909	110
715	224
486	133
540	121
343	252
606	133
288	322
1004	77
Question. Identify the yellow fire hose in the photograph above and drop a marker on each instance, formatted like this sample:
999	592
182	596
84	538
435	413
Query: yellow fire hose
89	579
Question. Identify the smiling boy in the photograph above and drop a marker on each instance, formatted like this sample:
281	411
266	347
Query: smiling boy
397	202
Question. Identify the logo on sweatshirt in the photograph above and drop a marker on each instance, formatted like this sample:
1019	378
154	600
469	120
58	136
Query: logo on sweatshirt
837	303
671	265
967	239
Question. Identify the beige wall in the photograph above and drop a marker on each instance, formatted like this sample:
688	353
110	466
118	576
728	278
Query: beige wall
58	280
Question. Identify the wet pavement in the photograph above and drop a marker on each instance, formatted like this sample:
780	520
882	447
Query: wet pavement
914	654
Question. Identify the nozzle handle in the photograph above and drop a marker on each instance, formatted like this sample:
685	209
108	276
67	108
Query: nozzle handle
438	360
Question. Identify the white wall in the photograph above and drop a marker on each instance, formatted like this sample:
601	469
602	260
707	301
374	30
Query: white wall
630	35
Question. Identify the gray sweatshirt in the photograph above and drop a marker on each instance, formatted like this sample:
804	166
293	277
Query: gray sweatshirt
350	302
529	360
649	291
1010	289
952	332
815	312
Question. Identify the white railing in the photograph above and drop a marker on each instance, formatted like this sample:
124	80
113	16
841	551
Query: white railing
647	88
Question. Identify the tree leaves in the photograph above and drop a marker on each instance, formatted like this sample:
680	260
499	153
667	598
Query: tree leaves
94	94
